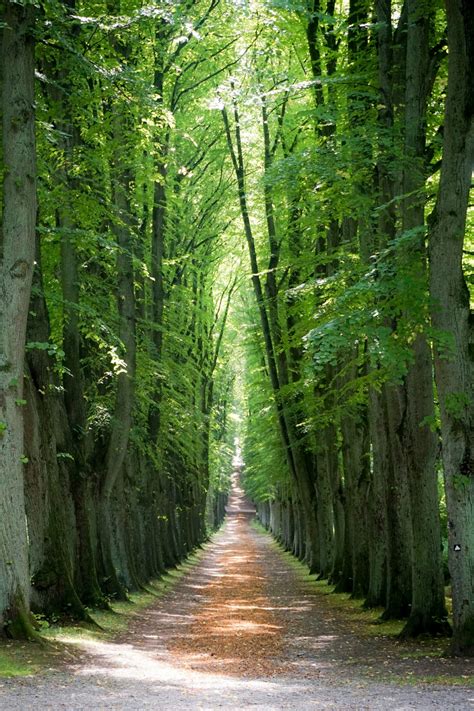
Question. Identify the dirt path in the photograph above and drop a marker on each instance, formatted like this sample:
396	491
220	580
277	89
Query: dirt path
243	630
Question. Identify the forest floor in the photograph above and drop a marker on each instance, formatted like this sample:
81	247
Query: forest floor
246	627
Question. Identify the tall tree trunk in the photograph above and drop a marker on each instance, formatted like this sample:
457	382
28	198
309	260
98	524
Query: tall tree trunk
376	502
399	539
453	320
158	228
73	380
158	293
356	464
124	399
17	252
325	504
427	612
52	529
112	550
392	401
69	140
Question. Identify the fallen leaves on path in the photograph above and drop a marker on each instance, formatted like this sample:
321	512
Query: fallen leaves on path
234	630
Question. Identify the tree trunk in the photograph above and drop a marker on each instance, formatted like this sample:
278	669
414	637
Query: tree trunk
453	320
157	256
122	227
52	529
391	403
376	502
325	510
355	454
122	418
85	506
427	612
399	533
17	252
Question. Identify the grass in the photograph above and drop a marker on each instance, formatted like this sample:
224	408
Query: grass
372	624
20	659
367	624
27	658
412	679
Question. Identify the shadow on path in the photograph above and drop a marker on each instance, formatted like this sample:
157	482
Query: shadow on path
241	630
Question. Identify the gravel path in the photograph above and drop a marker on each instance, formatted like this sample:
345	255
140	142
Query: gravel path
242	630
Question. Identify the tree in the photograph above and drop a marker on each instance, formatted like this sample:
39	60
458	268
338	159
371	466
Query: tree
452	317
17	260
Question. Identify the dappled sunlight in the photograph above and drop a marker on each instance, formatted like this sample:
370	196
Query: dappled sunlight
124	661
239	630
233	634
216	639
247	626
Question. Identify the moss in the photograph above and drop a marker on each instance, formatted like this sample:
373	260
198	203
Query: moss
29	658
421	626
20	623
425	653
23	658
17	660
119	614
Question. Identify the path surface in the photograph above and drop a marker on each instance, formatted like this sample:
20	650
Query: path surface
241	630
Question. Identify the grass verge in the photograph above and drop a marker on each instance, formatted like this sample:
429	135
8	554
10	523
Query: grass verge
19	659
424	660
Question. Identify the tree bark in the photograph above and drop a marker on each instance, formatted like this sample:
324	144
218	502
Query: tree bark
356	464
124	399
376	502
427	612
17	252
453	319
52	526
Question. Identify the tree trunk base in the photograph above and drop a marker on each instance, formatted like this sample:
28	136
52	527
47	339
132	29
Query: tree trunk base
343	585
21	624
418	625
394	613
463	640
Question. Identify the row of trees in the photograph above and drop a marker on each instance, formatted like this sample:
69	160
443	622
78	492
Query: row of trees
334	143
353	193
115	435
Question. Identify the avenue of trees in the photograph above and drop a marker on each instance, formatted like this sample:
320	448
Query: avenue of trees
210	206
115	432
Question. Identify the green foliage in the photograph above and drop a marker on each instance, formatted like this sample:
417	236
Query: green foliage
457	404
130	141
50	348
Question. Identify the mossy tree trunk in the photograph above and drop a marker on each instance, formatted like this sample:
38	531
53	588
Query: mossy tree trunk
356	464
